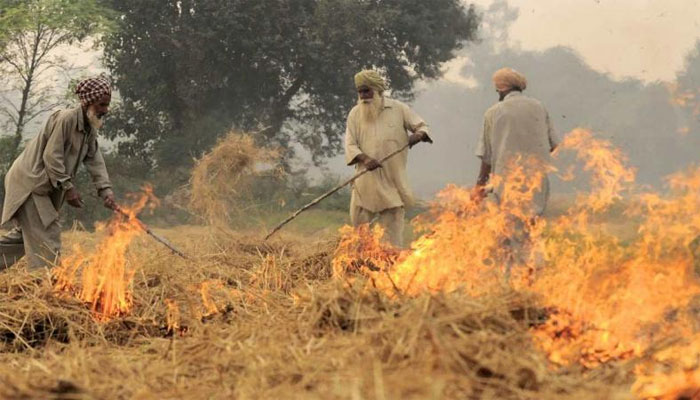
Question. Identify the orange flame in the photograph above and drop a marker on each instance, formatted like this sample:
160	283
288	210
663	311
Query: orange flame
106	281
172	316
609	300
205	291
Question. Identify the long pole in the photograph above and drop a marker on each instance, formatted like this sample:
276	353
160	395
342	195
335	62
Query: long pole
330	192
148	230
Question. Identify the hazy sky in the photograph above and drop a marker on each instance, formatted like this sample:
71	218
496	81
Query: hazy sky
646	39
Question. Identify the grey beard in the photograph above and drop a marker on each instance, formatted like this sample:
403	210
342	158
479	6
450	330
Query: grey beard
370	111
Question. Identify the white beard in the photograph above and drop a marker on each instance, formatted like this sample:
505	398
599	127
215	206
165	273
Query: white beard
95	121
370	109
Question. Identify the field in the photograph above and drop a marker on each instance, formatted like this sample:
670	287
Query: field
599	300
258	320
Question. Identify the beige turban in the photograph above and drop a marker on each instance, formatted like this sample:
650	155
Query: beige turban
370	78
508	78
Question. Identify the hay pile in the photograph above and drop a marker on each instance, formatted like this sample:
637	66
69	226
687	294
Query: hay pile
251	320
222	177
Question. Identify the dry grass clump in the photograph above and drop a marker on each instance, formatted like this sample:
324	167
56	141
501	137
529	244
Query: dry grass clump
247	319
223	175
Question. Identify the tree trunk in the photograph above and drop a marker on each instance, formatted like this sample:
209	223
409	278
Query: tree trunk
280	109
29	81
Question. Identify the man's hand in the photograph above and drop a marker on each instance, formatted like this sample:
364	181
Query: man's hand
368	162
371	164
73	198
478	193
109	201
418	137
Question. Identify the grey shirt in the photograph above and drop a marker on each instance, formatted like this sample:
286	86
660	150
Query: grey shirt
48	164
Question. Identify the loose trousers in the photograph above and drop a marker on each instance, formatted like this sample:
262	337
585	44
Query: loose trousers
42	245
391	220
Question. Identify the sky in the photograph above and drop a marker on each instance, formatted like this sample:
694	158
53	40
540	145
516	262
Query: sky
644	39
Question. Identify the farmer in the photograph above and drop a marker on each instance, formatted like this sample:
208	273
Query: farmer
517	131
377	126
516	126
43	175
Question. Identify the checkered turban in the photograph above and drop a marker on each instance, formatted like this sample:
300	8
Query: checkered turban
92	89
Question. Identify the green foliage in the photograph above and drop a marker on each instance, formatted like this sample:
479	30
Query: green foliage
31	32
71	19
189	70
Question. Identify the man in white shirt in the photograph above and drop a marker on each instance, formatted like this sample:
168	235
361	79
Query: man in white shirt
377	126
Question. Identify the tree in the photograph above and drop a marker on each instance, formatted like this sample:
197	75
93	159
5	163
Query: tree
188	71
31	35
687	90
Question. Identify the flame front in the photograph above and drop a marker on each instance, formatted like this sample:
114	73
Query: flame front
106	276
610	299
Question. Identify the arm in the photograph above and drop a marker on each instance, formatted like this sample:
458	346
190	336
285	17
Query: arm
554	139
53	156
483	151
416	125
54	162
353	153
484	174
95	164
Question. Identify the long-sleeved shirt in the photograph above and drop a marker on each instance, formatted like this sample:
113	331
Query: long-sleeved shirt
48	164
385	187
518	126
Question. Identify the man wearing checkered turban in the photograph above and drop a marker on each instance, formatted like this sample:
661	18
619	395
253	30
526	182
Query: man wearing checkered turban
42	177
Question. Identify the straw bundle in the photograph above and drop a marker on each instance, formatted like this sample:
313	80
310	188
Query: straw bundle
223	176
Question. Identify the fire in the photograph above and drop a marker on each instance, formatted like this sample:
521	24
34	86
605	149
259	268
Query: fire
208	302
686	99
610	300
106	275
172	316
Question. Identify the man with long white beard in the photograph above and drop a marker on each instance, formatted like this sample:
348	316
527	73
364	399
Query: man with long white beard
377	126
43	175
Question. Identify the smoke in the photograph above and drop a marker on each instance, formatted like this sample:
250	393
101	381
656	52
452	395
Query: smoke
639	117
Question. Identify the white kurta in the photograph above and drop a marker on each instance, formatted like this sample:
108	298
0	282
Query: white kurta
385	187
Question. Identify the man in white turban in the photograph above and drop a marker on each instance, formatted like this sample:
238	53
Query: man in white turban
377	126
42	177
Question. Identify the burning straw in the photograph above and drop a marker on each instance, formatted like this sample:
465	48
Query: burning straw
608	301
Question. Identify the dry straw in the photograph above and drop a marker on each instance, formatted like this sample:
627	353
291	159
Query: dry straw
221	179
261	320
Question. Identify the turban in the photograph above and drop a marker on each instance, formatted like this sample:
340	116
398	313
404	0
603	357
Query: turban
92	89
507	79
370	78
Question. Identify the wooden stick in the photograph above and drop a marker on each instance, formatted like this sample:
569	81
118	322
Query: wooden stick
148	230
330	192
